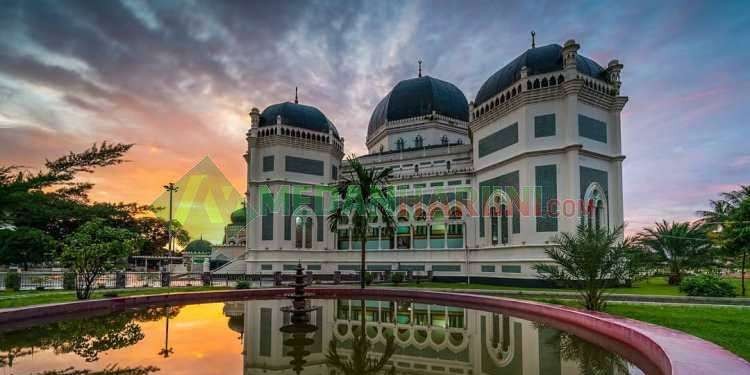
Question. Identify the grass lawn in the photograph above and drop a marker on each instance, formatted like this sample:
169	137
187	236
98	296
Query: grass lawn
657	286
728	327
10	299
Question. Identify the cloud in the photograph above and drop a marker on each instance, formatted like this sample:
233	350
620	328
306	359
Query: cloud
178	79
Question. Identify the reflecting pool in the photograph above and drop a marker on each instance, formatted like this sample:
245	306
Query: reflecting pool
259	337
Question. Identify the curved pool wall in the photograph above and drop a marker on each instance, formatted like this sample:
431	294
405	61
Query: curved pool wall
653	348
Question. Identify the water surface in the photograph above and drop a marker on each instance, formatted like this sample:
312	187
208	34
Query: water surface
257	337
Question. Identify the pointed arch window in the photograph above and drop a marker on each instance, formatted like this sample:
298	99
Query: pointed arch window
444	140
400	144
418	141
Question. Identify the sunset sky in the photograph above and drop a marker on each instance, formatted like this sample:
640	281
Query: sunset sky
178	79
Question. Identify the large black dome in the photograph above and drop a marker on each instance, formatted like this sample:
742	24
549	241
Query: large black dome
419	97
537	61
298	115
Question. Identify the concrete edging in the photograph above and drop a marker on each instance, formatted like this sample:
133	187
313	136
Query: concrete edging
653	348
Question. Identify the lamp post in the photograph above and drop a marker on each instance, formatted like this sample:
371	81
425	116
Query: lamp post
166	351
171	188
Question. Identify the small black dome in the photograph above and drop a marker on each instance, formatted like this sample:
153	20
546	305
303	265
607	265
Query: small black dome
537	61
418	97
298	115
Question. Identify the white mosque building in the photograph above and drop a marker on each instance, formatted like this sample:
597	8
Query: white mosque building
481	186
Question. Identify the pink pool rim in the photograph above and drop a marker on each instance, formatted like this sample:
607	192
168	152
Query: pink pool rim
654	349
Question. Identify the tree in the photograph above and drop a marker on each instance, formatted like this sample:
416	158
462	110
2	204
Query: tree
94	249
24	246
52	200
154	232
364	195
360	361
590	259
729	221
682	245
736	237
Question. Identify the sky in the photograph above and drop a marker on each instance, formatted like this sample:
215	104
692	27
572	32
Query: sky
177	79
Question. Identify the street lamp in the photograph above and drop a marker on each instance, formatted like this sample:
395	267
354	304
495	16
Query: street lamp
171	188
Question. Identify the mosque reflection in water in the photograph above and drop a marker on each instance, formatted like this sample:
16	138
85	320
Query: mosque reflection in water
407	338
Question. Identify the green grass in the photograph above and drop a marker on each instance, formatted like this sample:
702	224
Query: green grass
656	286
728	327
10	299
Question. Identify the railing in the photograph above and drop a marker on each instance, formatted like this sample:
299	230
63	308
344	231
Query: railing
120	280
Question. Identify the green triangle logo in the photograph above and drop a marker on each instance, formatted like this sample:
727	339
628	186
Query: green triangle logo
203	202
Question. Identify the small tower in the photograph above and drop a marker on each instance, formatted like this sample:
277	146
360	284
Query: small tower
570	53
254	118
613	74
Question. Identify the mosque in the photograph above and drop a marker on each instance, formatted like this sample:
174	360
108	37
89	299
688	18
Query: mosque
481	187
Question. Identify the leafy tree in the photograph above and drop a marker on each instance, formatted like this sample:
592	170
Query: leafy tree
592	359
640	261
736	237
364	194
729	223
590	260
154	232
94	249
683	246
18	186
24	246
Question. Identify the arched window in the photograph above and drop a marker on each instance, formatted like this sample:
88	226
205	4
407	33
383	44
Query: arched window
420	229
536	83
400	144
460	141
403	231
418	141
448	165
513	93
528	85
544	82
444	139
303	229
595	211
552	81
416	168
437	229
455	237
560	79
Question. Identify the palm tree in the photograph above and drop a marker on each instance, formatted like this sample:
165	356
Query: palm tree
682	245
364	194
591	259
360	362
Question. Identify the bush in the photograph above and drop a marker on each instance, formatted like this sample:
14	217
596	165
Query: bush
69	280
368	278
39	288
109	294
12	281
707	286
397	278
243	285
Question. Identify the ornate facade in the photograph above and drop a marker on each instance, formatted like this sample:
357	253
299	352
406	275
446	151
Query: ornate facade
481	187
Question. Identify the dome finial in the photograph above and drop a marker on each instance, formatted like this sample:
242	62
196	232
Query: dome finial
296	98
533	39
420	68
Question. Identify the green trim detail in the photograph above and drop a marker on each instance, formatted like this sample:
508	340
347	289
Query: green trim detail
498	140
592	129
544	126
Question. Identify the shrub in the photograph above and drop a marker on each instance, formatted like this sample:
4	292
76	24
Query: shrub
707	286
39	287
243	285
369	278
397	278
69	280
12	281
109	294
